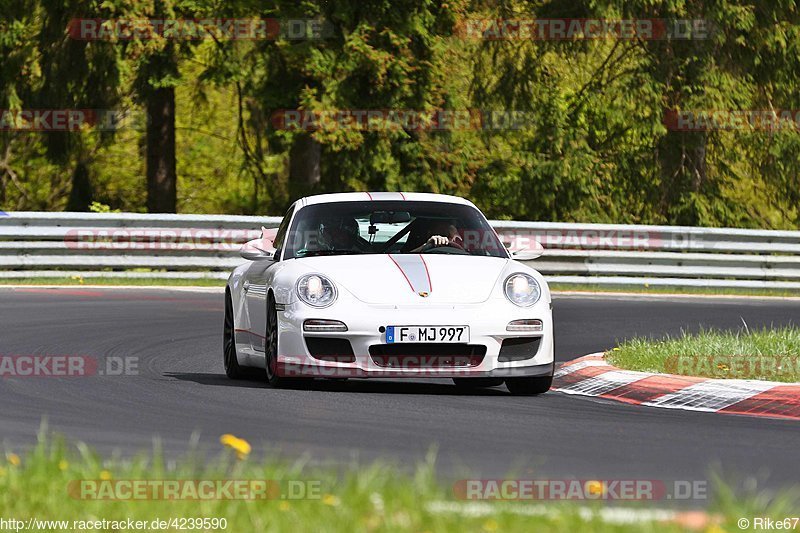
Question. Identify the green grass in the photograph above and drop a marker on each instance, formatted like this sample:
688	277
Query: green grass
766	354
657	290
376	497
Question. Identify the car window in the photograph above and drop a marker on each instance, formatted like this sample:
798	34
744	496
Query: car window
280	236
383	231
396	227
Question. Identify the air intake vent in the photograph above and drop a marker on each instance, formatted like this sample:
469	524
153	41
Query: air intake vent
330	349
519	349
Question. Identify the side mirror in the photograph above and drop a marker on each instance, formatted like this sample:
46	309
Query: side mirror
255	254
527	254
258	249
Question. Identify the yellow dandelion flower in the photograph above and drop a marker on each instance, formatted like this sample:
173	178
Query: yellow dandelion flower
490	525
594	487
13	459
330	499
240	446
284	506
63	465
105	475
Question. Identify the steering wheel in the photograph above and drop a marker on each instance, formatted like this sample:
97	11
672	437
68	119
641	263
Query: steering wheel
430	248
454	244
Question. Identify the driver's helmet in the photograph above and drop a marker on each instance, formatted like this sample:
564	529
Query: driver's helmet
338	232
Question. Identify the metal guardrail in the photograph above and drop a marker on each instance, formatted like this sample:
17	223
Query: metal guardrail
34	244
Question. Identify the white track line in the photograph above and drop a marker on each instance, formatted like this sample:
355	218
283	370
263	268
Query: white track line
613	515
712	395
606	382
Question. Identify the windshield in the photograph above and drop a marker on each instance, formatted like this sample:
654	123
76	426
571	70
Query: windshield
391	227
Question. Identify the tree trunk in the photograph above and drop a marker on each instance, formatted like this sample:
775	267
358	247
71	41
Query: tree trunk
304	165
81	195
162	189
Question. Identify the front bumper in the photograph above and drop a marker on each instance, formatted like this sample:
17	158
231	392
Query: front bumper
487	322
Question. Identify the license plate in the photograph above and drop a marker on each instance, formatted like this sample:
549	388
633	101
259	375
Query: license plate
402	334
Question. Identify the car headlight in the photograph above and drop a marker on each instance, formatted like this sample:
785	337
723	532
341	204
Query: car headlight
522	290
316	290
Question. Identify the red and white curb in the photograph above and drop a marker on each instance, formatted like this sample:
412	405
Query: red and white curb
593	376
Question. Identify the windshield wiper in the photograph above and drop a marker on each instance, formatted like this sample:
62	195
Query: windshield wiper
311	253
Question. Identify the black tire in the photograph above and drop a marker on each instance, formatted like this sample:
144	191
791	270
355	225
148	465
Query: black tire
529	386
271	348
229	361
477	383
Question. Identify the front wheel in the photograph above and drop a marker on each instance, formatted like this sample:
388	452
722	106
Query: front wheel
229	360
529	386
273	378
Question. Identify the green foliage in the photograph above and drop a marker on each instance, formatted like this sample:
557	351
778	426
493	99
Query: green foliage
97	207
592	147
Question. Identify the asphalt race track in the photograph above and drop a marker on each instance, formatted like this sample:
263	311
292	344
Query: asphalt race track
180	390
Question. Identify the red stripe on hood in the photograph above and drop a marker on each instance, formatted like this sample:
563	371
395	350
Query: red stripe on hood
402	272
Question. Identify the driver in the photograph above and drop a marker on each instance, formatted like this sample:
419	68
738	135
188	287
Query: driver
339	234
442	233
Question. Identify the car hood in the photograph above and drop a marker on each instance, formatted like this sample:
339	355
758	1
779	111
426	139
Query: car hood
412	278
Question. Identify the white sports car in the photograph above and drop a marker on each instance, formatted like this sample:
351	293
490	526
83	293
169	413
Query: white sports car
409	285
